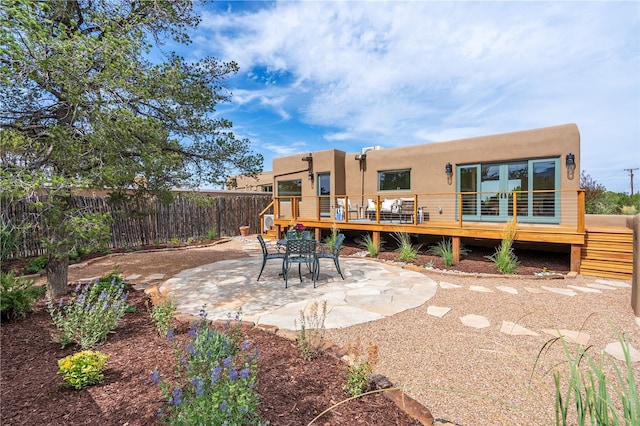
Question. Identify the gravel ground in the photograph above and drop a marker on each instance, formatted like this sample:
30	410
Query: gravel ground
470	376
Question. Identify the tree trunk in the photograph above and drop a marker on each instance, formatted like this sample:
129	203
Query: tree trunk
57	270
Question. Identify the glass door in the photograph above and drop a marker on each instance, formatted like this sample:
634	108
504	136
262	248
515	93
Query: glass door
491	190
324	192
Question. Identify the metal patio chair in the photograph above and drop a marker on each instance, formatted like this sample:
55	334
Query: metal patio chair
300	252
266	255
331	253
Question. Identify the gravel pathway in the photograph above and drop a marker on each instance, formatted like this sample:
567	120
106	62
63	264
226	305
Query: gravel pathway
485	372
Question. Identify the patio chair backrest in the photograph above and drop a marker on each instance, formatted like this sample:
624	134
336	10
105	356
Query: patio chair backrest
301	247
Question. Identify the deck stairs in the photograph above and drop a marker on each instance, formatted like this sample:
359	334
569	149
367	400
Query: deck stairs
608	252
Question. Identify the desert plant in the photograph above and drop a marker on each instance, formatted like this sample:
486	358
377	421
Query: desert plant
83	369
211	233
598	400
444	250
36	264
407	252
90	313
360	367
367	243
162	311
309	337
216	382
505	259
18	295
330	241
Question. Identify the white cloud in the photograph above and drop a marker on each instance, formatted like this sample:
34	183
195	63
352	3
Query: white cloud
394	73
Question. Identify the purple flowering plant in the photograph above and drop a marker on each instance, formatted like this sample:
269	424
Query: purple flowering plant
217	374
91	312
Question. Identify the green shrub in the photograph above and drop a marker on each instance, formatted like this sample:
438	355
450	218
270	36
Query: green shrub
90	314
216	383
444	250
407	252
7	241
18	295
83	369
36	265
369	245
162	312
597	400
505	259
211	233
360	368
309	337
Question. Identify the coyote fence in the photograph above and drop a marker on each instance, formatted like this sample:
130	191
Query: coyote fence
149	221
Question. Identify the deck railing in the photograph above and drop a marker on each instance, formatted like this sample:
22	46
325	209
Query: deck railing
542	207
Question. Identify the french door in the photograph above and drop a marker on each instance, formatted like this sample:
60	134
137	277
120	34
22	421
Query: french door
488	191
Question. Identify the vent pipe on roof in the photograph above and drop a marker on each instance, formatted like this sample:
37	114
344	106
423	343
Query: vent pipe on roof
370	148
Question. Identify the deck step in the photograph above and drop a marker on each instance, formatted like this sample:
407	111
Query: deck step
608	252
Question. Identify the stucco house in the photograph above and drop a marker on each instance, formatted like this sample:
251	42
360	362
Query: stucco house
467	188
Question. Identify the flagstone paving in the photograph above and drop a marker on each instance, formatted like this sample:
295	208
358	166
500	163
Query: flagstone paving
370	291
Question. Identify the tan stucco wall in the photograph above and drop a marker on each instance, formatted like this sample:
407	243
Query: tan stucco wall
427	164
606	220
246	183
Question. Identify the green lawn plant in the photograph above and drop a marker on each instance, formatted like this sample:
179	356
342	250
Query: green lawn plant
504	258
369	245
407	252
217	375
444	250
83	368
90	313
309	336
18	295
597	399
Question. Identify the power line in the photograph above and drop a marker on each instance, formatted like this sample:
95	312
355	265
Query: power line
631	175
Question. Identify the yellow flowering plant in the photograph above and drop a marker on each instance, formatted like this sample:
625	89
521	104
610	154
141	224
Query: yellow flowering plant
83	368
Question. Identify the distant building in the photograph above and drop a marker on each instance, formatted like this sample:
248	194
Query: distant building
263	182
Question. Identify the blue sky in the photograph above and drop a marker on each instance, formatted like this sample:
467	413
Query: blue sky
316	75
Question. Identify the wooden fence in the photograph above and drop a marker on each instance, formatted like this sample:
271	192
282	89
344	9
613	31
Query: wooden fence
148	222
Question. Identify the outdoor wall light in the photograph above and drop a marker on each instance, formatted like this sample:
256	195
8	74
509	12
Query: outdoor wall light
448	170
570	161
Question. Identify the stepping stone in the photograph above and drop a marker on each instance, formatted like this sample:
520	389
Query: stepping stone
564	291
480	289
615	349
448	285
534	290
578	337
437	311
584	289
600	286
142	286
87	280
513	329
614	283
507	289
132	277
475	321
153	277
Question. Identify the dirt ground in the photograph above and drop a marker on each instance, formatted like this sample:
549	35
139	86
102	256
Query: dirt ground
292	391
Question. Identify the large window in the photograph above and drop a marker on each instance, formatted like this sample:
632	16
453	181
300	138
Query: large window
394	180
290	188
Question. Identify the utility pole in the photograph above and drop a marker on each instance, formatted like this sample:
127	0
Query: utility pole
631	175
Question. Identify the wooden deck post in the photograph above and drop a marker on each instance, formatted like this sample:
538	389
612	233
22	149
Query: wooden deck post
455	247
376	239
576	256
